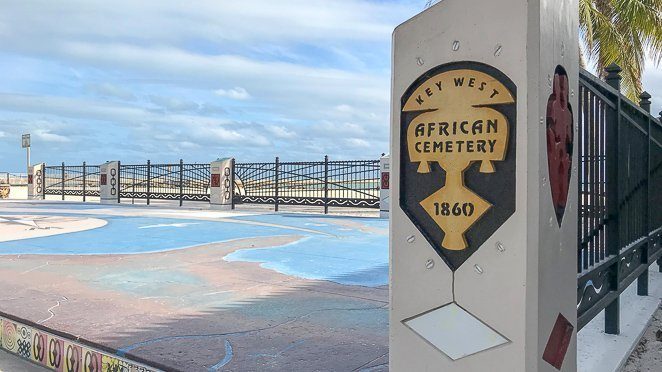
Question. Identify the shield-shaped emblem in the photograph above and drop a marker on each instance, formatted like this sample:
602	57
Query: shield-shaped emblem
559	141
457	156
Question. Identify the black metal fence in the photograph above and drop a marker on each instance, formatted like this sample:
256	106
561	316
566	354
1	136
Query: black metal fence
17	179
323	183
165	181
620	221
326	183
72	180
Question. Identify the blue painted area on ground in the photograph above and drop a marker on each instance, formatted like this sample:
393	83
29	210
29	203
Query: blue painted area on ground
139	235
355	254
350	256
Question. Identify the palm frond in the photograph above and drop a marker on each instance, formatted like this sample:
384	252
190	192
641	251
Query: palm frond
622	32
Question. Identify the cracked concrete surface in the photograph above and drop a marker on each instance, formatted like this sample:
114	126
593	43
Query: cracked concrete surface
272	321
647	356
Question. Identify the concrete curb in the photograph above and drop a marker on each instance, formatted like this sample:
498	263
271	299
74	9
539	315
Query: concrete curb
58	350
600	352
634	345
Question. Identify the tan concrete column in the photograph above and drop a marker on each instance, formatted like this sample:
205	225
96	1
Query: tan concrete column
483	240
109	182
384	187
222	184
36	181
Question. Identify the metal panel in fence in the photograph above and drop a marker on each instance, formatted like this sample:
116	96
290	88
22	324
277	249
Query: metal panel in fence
256	183
14	179
165	181
72	180
323	183
354	183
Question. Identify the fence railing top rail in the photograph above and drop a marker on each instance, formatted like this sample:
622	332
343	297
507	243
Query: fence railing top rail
610	95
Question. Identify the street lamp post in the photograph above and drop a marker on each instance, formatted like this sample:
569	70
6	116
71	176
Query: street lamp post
25	143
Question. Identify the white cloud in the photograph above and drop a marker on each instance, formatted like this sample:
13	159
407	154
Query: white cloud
234	93
358	142
201	128
108	90
159	21
3	134
174	104
280	131
46	136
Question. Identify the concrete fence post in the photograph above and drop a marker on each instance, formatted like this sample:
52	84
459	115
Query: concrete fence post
84	181
36	187
109	183
483	232
384	186
222	184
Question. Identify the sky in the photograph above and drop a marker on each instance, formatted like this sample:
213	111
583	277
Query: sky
168	79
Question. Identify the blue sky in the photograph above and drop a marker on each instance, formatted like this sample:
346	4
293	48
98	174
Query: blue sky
163	79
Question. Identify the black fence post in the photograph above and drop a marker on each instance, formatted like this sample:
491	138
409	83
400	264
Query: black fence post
62	180
119	182
612	311
84	181
326	184
276	174
232	184
181	182
659	260
43	182
645	101
149	179
642	280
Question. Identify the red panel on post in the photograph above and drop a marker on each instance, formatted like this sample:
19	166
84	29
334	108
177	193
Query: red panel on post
215	180
385	180
558	342
104	180
559	141
30	179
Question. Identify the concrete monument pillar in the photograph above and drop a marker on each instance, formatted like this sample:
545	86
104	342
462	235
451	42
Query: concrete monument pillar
36	181
222	184
483	237
109	182
384	187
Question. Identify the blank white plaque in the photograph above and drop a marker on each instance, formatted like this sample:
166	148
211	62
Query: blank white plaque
454	331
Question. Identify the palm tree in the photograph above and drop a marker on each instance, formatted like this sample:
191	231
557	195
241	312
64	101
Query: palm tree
622	32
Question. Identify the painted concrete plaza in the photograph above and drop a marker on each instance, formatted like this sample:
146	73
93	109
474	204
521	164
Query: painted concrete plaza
202	290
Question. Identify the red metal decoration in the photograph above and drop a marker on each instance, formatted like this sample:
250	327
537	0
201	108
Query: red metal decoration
104	180
215	180
30	179
559	141
558	342
385	180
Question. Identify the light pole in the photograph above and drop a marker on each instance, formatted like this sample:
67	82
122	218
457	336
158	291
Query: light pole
25	143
